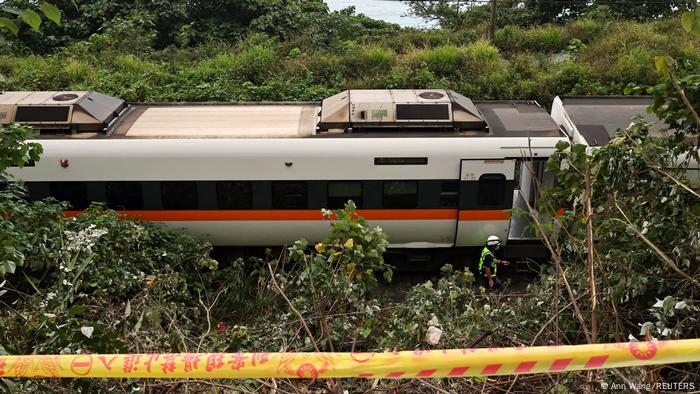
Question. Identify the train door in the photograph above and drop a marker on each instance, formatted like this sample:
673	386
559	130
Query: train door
531	179
486	191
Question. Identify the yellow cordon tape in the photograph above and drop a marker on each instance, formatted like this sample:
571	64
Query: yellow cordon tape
409	364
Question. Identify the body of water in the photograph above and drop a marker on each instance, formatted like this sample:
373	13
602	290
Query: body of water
387	10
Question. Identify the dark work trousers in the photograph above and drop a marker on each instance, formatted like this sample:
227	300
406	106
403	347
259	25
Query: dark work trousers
496	283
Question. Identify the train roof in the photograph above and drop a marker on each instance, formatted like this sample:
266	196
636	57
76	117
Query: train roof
213	120
349	114
597	118
518	119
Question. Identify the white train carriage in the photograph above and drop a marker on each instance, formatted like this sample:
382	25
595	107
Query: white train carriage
431	167
594	121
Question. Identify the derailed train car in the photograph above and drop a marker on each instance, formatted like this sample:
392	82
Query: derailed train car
432	168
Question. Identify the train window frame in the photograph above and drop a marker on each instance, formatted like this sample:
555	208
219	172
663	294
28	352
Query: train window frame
167	198
491	190
136	204
245	203
73	187
283	199
336	199
449	194
399	200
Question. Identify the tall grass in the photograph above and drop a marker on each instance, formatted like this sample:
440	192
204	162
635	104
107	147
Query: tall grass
547	38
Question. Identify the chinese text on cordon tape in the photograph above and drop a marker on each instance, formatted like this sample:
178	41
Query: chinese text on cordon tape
409	364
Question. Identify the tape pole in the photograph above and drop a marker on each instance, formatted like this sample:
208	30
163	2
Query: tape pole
406	364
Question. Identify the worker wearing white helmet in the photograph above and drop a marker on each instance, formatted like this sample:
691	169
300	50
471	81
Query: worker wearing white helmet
488	263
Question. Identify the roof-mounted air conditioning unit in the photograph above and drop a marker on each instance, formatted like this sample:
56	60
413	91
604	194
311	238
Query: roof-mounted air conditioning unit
384	109
73	111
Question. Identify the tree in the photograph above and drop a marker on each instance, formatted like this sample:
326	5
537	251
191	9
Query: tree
177	22
632	217
647	9
29	16
447	13
546	11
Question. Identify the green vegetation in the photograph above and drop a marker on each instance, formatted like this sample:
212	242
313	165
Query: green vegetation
625	258
585	56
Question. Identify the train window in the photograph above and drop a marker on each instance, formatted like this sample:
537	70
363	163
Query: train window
449	194
234	195
289	195
73	192
124	195
492	190
400	194
340	192
179	194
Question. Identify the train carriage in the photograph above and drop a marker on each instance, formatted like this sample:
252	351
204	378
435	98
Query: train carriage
431	167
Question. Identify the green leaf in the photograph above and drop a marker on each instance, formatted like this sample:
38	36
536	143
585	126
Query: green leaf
31	18
137	326
9	24
12	10
51	11
10	266
561	145
78	309
691	21
661	64
579	149
688	19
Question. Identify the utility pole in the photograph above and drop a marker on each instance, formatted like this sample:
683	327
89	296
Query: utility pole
492	25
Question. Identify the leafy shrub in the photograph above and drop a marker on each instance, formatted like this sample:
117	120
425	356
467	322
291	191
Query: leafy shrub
571	78
548	38
76	71
480	58
327	70
407	77
36	73
133	33
636	66
497	84
441	61
94	258
131	64
587	30
371	59
604	54
255	63
510	38
526	65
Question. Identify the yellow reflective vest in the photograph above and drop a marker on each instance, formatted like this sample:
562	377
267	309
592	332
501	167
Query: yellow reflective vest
486	252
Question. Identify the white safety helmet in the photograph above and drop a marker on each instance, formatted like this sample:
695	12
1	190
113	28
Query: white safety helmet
493	241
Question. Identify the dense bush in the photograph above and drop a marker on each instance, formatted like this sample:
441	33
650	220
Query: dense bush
589	56
537	39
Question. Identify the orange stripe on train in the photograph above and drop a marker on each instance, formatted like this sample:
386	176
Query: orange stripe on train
307	215
484	215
